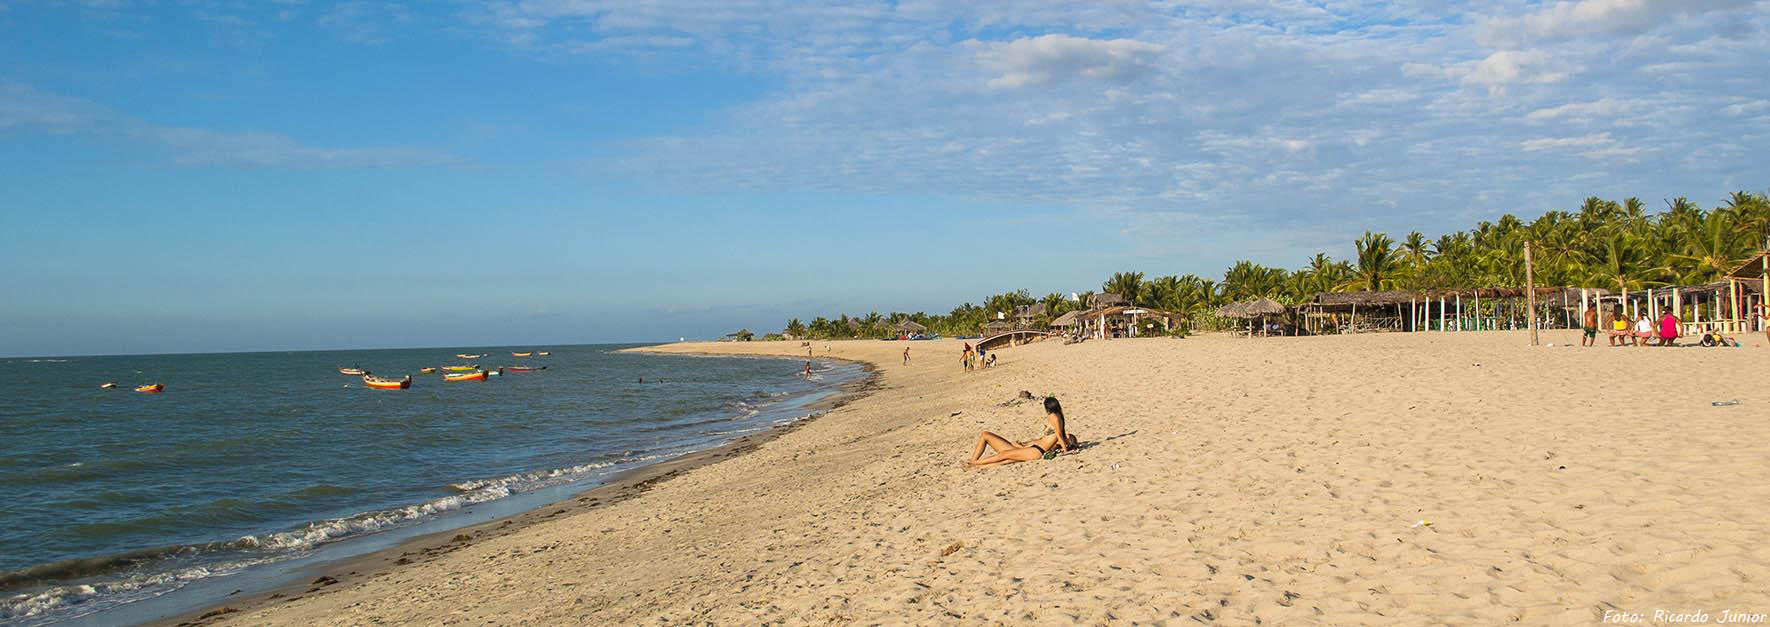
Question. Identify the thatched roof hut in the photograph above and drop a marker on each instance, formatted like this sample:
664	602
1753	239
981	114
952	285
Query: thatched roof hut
998	326
1264	307
1105	299
911	326
1233	310
1068	319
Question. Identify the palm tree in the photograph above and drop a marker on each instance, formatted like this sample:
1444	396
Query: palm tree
1714	246
1126	284
1376	266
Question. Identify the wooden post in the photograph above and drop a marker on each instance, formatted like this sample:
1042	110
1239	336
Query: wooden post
1478	320
1530	292
1459	311
1765	295
1733	303
1413	315
1441	327
1652	305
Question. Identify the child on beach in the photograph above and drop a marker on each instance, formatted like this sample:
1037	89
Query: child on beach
1590	326
1009	452
1619	329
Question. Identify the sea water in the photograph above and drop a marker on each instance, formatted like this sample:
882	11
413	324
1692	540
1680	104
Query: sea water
117	499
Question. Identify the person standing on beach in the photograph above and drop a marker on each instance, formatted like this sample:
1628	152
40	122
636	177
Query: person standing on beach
906	355
1590	326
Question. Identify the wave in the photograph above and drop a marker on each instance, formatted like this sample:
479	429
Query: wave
61	602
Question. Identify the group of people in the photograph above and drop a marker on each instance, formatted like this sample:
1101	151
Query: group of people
1644	331
973	358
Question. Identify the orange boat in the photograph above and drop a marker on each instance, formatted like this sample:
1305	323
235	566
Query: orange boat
466	376
520	354
385	383
152	388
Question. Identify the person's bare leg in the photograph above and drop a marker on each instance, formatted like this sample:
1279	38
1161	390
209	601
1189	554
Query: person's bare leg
1007	457
987	440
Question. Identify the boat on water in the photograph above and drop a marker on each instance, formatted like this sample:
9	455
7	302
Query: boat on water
470	356
352	372
151	388
467	368
107	385
479	375
543	353
526	368
521	354
427	370
387	383
494	373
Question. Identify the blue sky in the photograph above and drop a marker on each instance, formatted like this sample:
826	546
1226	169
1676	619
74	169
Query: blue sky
220	175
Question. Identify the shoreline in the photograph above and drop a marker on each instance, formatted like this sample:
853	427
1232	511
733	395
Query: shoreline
350	572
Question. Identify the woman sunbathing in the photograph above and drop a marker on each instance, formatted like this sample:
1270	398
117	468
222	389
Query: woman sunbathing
1009	452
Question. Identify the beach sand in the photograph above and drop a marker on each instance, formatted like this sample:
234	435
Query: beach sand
1224	480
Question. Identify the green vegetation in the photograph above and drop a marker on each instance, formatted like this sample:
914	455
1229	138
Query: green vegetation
1602	244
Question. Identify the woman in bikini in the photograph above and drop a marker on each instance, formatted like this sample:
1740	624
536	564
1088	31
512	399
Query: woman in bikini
1009	452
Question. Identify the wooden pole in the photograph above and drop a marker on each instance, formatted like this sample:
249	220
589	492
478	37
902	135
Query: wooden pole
1733	303
1413	315
1459	311
1530	291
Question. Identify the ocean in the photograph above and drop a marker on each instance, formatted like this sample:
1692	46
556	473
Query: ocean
247	461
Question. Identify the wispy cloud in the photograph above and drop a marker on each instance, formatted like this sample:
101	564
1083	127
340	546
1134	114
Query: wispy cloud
24	107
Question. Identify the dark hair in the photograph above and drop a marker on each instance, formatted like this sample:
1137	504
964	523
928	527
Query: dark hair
1053	407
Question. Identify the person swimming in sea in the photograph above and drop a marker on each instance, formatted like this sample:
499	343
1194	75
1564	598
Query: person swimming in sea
1007	452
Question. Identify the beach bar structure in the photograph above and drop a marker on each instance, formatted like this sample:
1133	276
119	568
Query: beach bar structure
1124	321
1467	309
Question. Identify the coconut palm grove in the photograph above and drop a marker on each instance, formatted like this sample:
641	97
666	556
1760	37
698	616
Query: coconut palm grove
1602	244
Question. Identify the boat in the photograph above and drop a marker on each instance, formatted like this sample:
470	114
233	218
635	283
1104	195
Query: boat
521	354
352	372
107	385
525	368
494	373
543	353
426	371
151	388
478	375
387	383
468	368
470	356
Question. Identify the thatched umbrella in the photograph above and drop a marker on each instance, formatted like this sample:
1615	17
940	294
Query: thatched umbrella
910	326
1233	310
1264	307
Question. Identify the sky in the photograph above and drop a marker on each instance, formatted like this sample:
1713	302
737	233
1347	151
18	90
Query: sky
221	175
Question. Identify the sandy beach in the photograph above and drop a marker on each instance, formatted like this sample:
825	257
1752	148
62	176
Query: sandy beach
1376	479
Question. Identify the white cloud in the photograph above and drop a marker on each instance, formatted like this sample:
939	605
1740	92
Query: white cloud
1595	145
1056	58
1602	17
1496	71
1581	111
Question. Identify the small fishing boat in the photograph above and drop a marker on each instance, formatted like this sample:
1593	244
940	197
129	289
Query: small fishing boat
543	353
107	385
479	375
467	368
494	373
352	372
151	388
386	383
470	356
427	370
525	368
521	354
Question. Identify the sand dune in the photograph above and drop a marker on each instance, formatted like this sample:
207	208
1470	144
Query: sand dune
1224	480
